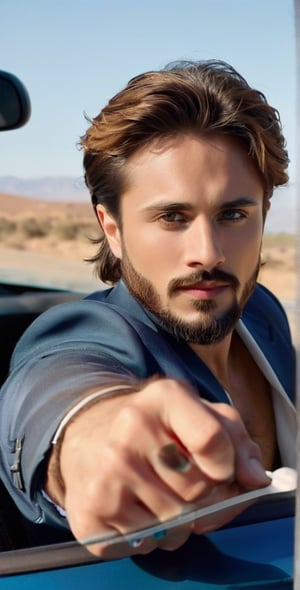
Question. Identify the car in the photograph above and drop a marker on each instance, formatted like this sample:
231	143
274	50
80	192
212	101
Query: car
256	550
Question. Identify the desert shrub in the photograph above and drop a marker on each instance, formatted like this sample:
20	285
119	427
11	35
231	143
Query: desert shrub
67	230
7	227
35	228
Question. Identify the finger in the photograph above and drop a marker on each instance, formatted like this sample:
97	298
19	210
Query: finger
125	457
180	473
206	441
216	521
125	495
123	549
200	432
176	537
139	517
250	472
215	436
88	524
170	542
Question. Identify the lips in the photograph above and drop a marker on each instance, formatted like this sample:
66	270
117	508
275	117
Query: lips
204	289
205	285
204	282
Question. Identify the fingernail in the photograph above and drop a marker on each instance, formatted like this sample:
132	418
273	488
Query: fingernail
257	471
135	543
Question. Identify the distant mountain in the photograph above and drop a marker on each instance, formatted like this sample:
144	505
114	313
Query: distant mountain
282	217
46	188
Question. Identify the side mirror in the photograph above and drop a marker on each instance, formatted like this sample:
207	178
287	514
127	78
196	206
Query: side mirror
15	105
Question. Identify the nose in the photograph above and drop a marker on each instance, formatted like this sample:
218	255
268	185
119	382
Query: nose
203	245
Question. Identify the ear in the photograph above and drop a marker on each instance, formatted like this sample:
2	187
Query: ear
111	230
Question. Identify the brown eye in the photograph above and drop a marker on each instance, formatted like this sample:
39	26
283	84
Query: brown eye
172	217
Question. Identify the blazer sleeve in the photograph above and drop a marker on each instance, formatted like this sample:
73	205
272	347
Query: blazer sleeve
68	350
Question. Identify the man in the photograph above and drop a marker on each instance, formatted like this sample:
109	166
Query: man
174	388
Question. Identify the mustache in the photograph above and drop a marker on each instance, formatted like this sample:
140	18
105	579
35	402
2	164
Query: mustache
215	275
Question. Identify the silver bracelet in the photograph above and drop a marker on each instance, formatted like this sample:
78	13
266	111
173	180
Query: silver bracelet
82	403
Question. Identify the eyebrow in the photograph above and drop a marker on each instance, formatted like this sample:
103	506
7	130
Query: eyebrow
241	202
185	205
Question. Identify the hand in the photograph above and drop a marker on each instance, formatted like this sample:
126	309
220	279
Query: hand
115	479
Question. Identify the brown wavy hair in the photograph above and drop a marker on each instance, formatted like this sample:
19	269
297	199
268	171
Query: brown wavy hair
203	98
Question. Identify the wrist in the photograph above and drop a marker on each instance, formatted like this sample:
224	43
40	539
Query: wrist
54	484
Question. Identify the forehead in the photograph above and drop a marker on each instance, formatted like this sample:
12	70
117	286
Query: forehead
187	162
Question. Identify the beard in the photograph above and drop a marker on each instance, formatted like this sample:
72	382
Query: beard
213	325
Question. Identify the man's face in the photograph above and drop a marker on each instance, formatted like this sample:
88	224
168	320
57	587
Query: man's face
192	223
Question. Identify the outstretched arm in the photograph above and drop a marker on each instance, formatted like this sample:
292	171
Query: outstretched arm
109	474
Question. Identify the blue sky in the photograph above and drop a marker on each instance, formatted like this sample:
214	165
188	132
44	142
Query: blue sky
73	55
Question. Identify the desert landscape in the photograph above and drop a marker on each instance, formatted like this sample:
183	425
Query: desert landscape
52	240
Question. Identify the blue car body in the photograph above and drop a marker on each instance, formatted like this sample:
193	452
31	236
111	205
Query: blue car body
253	554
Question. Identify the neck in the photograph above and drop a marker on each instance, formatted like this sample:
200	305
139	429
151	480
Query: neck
217	358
